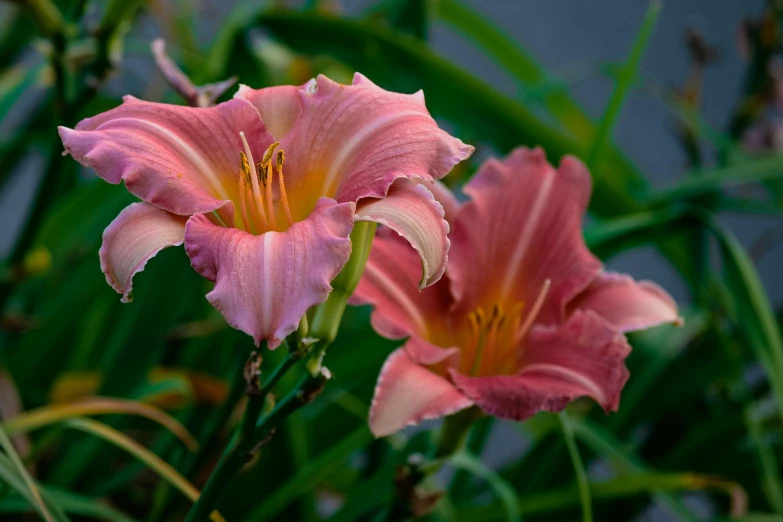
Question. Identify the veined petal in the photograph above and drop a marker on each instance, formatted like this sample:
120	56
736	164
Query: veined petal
628	305
182	159
135	236
408	393
443	195
425	353
353	141
391	283
586	356
279	106
265	284
411	210
522	226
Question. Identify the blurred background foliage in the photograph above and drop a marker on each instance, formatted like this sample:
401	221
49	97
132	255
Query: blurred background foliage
119	412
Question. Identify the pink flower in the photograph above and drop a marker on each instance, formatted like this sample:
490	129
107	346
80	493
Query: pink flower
524	319
213	179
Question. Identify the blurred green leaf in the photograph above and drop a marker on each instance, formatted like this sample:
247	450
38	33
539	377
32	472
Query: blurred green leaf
753	171
557	500
309	476
54	413
502	489
70	503
579	469
404	64
18	468
625	79
502	48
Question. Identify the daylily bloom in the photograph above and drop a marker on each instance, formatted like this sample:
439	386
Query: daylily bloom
524	319
264	189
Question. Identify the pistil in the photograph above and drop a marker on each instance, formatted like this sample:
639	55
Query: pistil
259	206
531	316
283	195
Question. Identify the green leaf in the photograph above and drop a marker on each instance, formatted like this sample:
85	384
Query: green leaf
626	77
624	461
309	476
70	503
558	500
30	489
505	51
576	460
754	315
754	171
404	64
53	413
503	490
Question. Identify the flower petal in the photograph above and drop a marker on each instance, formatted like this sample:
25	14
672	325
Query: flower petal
443	195
412	211
583	357
265	284
522	226
408	393
391	283
135	236
182	159
279	106
353	141
628	305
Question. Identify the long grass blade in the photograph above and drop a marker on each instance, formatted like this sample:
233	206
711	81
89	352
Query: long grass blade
625	80
579	469
309	476
158	465
51	414
503	490
21	470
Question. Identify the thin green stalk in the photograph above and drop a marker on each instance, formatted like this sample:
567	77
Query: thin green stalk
625	80
581	476
233	458
451	440
249	437
476	439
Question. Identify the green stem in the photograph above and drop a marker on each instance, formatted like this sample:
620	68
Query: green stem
329	314
250	434
581	476
454	432
476	439
451	440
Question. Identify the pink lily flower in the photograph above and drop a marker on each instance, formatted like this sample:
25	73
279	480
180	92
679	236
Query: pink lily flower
272	241
524	319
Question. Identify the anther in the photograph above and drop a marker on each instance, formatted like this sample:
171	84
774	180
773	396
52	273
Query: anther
283	195
259	206
244	180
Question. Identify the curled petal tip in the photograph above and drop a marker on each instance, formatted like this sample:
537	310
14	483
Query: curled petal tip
135	236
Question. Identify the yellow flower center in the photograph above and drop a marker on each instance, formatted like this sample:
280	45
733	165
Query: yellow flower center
491	346
255	190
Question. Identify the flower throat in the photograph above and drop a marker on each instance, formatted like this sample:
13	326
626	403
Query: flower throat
255	190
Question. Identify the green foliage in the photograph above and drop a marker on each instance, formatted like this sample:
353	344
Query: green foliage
691	421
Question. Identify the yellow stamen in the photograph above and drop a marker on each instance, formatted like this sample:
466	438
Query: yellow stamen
470	347
256	190
265	170
534	310
480	316
269	177
481	340
283	195
244	178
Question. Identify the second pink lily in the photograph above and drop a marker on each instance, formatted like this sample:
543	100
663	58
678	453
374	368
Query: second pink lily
524	318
